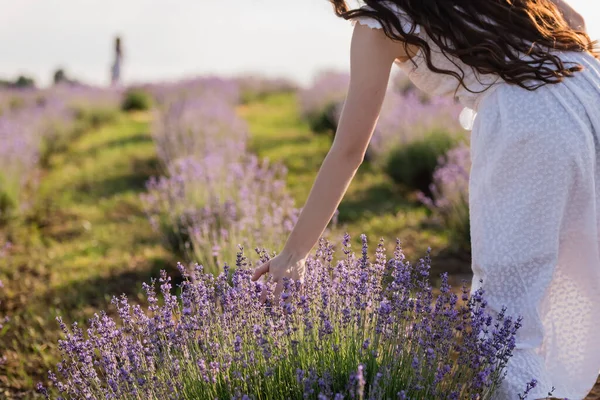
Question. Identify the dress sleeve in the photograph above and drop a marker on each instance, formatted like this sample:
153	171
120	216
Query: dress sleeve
405	20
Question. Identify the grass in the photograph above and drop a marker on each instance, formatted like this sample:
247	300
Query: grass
374	205
87	241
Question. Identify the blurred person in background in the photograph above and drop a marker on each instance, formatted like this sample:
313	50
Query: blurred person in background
531	76
115	71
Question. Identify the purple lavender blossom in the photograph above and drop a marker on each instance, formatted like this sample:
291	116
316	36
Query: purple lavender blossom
217	340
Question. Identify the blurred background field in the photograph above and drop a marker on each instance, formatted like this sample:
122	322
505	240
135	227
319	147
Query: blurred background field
132	190
101	186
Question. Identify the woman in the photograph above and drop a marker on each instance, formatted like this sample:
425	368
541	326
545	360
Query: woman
115	71
530	72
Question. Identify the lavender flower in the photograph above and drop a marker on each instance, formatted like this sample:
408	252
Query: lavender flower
217	340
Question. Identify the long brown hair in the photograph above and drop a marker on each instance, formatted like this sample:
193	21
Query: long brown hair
489	35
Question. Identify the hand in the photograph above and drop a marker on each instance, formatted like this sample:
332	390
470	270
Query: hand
282	266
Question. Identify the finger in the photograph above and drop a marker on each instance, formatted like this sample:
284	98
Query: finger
278	290
267	291
260	271
263	295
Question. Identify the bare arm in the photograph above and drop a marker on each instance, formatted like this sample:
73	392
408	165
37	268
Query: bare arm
573	18
372	56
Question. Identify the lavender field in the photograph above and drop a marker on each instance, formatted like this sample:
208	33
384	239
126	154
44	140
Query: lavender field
127	240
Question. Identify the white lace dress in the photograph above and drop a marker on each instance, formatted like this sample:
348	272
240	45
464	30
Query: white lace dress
535	215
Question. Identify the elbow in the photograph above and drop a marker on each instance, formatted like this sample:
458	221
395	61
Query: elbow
350	157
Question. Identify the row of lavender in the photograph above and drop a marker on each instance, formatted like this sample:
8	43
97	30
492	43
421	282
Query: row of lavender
334	337
418	142
356	329
32	124
215	196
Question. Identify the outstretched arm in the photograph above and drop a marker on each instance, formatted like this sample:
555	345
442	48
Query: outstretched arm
372	56
573	18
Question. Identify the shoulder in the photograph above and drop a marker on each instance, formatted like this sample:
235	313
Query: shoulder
406	23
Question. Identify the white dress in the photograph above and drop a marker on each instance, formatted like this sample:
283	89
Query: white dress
535	215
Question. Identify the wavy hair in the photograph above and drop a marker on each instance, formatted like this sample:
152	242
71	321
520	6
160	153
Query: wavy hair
489	35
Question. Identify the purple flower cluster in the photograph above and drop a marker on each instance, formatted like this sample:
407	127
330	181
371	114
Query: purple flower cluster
450	195
211	205
358	328
215	195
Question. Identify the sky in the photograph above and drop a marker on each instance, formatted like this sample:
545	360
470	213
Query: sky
170	39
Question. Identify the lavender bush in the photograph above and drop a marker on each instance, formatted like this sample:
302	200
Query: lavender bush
32	124
198	127
206	207
18	161
406	117
215	195
356	329
136	99
320	104
450	196
23	132
92	106
226	90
